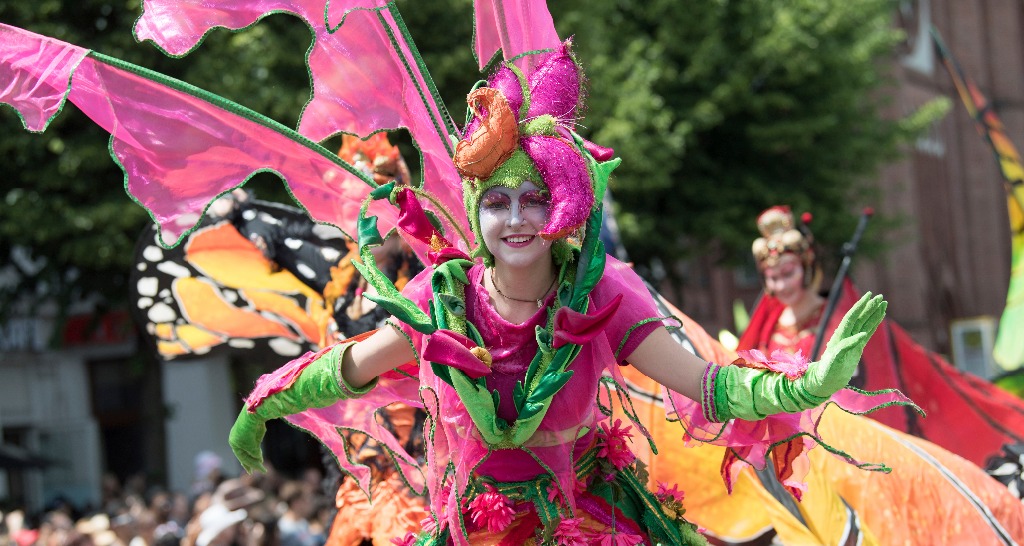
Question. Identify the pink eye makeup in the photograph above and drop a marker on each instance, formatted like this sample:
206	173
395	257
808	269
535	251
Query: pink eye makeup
534	199
495	200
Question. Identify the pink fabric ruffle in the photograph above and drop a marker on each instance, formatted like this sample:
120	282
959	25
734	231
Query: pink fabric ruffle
575	327
282	378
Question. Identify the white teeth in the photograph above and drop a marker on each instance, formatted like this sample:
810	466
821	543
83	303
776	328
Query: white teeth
518	239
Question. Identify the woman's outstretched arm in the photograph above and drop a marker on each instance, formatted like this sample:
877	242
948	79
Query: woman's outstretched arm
348	370
733	392
385	350
664	360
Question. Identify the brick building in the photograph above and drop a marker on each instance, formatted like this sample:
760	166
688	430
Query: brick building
950	259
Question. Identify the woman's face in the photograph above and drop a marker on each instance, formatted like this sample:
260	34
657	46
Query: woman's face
785	280
510	220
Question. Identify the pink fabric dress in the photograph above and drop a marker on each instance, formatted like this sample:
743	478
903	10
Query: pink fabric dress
567	431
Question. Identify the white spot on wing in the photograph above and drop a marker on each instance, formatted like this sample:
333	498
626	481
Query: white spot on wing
147	286
173	269
285	347
306	271
161	313
241	343
153	253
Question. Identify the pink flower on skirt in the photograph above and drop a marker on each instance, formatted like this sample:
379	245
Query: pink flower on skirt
619	539
614	442
492	510
664	493
569	533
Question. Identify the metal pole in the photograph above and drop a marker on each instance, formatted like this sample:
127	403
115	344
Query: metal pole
849	249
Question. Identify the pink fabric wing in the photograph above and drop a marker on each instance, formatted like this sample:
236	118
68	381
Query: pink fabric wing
365	76
177	26
37	74
179	152
515	27
179	149
360	415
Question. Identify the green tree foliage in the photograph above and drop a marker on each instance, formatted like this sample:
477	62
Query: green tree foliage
63	200
722	108
719	108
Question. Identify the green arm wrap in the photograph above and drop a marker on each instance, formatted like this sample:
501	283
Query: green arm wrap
753	395
319	385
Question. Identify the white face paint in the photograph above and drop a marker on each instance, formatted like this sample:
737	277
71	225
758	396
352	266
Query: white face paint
785	280
510	220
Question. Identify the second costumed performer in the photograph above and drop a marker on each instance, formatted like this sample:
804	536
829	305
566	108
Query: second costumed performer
507	349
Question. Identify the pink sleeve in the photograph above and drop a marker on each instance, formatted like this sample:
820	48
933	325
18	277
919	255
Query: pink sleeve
638	315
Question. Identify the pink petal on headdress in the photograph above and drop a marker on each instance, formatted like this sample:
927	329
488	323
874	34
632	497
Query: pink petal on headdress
555	89
564	172
600	153
506	81
414	222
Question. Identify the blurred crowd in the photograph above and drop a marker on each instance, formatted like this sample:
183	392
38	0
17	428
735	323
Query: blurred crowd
264	510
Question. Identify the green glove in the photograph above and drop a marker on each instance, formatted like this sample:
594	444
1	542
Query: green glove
318	385
752	395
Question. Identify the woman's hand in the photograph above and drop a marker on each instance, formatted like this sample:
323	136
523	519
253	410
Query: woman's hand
752	395
348	370
844	349
245	438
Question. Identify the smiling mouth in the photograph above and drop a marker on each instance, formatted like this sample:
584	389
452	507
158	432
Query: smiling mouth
518	240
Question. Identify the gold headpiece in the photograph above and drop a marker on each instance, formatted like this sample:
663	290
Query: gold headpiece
779	236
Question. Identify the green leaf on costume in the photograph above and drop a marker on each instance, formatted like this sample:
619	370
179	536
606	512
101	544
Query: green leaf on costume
369	235
454	270
519	396
592	261
434	221
474	334
384	191
391	299
602	172
453	304
443	372
550	384
480	405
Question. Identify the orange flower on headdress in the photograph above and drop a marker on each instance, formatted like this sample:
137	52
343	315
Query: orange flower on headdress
493	141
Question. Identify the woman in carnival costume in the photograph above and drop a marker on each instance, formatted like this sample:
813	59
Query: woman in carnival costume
509	356
791	274
964	504
511	348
